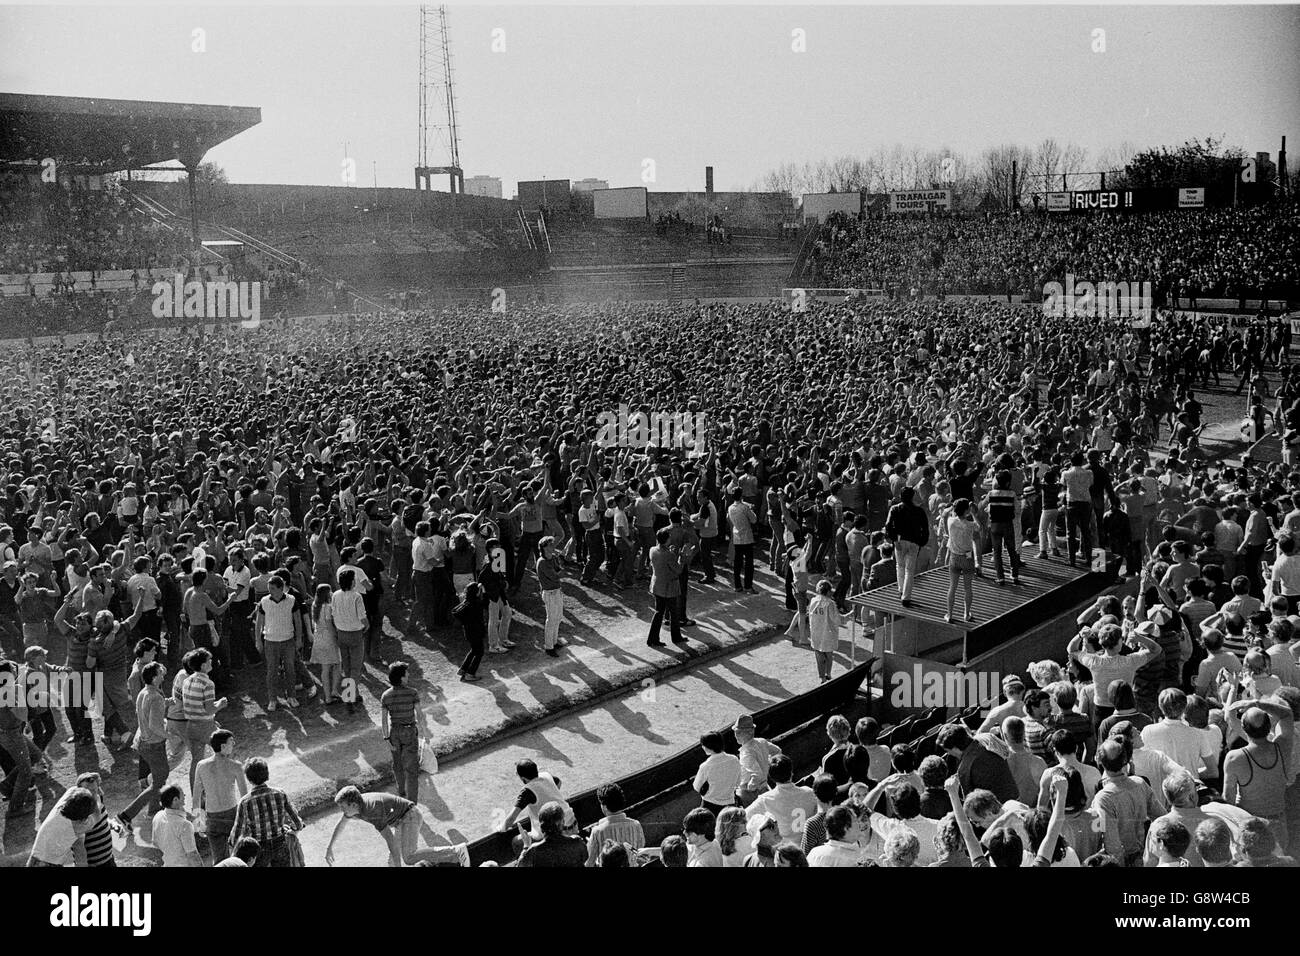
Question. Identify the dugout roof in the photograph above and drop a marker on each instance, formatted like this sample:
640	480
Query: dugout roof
112	135
1047	589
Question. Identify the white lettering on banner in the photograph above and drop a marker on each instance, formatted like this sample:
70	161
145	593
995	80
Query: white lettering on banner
1102	199
920	200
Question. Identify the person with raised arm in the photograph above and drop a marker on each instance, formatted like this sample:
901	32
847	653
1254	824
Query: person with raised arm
1110	664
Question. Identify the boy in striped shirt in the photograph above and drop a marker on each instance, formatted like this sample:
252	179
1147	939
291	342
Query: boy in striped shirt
200	706
95	846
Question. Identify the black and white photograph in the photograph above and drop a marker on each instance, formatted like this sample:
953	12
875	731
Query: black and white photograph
648	436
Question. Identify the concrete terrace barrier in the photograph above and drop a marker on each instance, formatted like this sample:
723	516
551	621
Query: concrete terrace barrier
648	789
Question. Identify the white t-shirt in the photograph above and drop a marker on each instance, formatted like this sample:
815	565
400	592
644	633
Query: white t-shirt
1183	744
589	517
741	517
721	773
173	834
835	853
360	582
349	611
144	584
961	536
238	581
744	847
923	827
54	839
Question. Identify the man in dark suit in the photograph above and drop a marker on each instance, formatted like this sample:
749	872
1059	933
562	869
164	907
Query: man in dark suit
680	536
880	573
977	768
666	568
884	571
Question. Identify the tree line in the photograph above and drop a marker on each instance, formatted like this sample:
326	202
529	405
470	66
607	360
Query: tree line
1007	175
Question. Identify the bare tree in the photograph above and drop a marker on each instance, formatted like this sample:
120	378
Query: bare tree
1004	174
892	165
949	170
818	178
1046	166
892	168
847	174
1074	161
1113	159
938	169
785	178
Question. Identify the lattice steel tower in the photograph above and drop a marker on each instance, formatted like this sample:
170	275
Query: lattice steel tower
437	92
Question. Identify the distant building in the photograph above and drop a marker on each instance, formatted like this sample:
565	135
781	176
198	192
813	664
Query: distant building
587	185
483	186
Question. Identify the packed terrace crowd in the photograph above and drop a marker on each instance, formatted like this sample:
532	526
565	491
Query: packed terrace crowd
180	504
73	308
77	229
88	240
1206	253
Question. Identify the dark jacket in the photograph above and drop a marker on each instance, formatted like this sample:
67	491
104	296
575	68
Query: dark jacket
472	614
665	572
877	502
561	851
494	584
883	572
981	770
907	522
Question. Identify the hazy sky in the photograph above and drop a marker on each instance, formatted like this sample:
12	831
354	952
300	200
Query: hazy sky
594	90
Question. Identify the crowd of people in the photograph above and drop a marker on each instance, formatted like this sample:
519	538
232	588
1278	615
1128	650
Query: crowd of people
1232	253
1166	739
1044	781
671	225
73	228
83	303
197	518
80	258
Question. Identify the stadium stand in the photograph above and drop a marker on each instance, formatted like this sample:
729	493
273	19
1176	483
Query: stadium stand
1231	252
